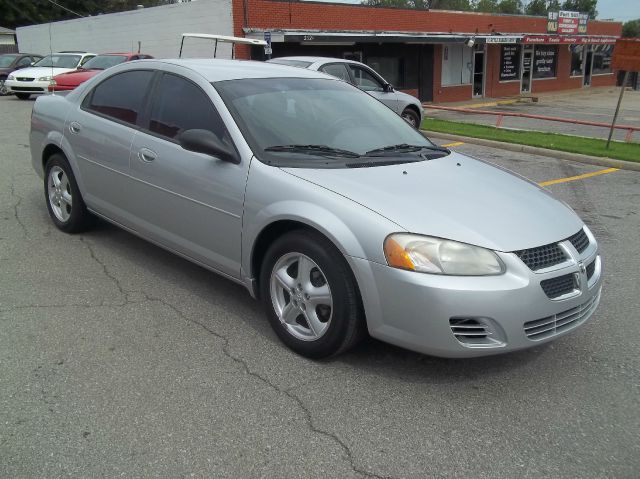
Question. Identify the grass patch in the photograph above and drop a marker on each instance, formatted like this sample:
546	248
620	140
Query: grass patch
553	141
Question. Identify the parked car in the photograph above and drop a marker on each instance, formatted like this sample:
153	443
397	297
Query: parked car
70	80
322	202
36	79
365	78
14	61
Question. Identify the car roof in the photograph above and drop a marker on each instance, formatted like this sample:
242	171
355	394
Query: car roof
311	59
214	70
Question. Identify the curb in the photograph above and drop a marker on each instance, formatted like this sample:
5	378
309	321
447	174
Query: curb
534	150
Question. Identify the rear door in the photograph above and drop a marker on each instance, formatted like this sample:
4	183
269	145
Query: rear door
368	81
100	132
189	202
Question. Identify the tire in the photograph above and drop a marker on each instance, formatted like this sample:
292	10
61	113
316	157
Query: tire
23	96
3	88
411	117
64	201
314	324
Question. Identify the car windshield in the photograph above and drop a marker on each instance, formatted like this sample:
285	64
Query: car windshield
102	62
59	61
6	60
315	119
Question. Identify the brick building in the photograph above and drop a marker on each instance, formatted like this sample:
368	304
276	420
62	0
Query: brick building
426	53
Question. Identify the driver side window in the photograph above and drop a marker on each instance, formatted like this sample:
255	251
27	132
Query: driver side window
365	80
25	62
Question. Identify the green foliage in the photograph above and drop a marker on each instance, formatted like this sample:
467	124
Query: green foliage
585	6
513	7
486	6
631	29
22	13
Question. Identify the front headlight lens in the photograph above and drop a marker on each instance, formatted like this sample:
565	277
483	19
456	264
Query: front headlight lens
426	254
45	78
11	77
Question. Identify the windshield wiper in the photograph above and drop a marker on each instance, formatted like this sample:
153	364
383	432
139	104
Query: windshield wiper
405	147
321	150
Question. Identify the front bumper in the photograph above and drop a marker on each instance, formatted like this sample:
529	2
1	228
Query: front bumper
454	316
33	86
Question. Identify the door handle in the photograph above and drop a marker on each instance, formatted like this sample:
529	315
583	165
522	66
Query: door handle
75	127
146	155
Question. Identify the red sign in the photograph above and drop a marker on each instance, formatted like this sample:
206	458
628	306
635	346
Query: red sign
626	55
567	40
567	23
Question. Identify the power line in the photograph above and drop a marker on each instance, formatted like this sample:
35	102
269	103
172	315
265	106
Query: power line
65	8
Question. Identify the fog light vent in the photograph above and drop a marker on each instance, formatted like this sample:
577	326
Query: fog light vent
476	332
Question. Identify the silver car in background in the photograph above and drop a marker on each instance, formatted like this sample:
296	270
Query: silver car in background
365	78
320	201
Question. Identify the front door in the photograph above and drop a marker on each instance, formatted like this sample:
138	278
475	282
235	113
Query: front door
478	71
588	65
369	81
527	64
189	202
425	86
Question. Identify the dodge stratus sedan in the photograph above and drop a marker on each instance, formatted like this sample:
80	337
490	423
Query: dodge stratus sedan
322	202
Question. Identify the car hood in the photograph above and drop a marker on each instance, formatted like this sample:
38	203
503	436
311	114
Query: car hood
455	197
37	72
75	77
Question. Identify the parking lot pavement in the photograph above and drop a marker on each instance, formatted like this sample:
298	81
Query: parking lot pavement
597	105
120	359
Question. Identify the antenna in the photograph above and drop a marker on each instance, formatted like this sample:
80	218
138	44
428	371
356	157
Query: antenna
51	54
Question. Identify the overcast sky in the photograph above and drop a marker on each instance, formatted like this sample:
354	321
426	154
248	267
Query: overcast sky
621	10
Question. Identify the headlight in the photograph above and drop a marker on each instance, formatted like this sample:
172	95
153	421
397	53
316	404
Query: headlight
11	77
426	254
44	78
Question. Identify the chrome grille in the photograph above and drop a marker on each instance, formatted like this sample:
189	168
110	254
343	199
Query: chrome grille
24	79
580	241
542	256
591	268
558	323
558	286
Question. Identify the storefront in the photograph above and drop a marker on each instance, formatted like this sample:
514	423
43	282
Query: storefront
435	55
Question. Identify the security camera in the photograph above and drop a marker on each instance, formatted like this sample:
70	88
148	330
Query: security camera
470	42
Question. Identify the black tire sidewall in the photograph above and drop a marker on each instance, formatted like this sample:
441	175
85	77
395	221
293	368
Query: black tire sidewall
78	219
346	313
414	115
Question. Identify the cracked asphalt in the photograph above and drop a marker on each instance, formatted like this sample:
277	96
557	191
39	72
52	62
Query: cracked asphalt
118	359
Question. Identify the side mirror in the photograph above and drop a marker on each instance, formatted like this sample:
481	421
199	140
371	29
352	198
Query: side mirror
388	88
204	141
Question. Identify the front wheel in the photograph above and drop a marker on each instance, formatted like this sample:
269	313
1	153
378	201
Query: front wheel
3	88
310	295
23	96
411	117
64	202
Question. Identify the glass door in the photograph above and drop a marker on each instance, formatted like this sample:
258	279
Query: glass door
527	66
588	65
478	70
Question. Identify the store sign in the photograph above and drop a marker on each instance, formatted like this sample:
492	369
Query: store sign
502	39
568	40
567	23
545	61
626	55
510	63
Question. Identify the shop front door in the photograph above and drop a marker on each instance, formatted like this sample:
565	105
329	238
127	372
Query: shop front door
527	64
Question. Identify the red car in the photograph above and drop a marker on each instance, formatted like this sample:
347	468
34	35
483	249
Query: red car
70	80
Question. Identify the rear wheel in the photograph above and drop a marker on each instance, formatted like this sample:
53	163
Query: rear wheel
411	117
23	96
310	295
64	202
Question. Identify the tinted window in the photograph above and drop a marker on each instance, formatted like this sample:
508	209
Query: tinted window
365	80
180	105
337	70
121	96
24	62
59	61
102	62
6	60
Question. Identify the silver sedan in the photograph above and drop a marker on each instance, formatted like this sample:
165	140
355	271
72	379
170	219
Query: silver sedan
365	78
322	202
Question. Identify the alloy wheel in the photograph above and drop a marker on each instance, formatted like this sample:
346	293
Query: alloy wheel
59	191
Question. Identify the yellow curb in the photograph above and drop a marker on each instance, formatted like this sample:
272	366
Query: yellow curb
455	143
578	177
490	103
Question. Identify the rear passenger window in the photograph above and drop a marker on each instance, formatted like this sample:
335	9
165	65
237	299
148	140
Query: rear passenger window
120	97
180	105
337	70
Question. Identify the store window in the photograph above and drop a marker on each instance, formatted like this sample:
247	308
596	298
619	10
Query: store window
457	64
545	61
577	59
602	59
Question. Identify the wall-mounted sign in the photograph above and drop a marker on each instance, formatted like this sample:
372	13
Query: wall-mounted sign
510	63
567	23
626	55
568	40
545	59
502	39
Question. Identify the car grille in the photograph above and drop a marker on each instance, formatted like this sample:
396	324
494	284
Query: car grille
580	241
561	285
26	89
591	269
468	330
561	322
24	79
542	256
551	254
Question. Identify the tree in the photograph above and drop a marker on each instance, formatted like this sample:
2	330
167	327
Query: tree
585	6
631	29
486	6
463	5
513	7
